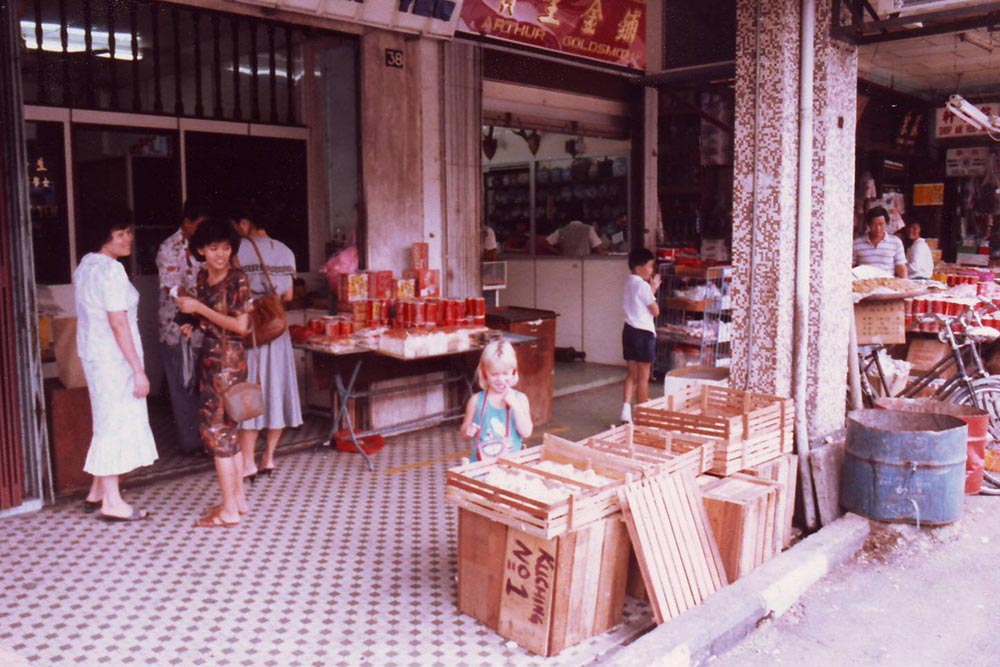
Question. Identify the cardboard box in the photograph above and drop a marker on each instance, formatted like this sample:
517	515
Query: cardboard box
380	285
428	282
880	322
925	352
420	256
67	359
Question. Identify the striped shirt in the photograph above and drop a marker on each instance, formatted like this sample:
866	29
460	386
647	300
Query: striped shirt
886	256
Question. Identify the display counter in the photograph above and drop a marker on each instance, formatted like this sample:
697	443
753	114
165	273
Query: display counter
585	291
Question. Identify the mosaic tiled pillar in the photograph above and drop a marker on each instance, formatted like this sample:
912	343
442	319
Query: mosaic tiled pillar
834	126
765	213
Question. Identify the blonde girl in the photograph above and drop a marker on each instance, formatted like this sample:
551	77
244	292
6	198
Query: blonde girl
497	419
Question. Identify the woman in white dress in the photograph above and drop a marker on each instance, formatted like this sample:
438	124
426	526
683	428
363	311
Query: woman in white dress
107	340
272	364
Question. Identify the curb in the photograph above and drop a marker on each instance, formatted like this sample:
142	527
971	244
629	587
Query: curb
729	616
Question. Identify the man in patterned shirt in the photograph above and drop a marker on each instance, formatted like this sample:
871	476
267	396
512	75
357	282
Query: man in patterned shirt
878	249
179	268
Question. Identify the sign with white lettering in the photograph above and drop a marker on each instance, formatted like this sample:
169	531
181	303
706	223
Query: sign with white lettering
966	161
434	18
613	31
948	125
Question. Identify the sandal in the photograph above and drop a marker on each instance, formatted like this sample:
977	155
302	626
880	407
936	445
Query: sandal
214	520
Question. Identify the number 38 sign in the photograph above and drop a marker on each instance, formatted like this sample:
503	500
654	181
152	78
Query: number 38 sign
394	58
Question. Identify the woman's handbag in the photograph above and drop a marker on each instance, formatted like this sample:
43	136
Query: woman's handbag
244	400
267	318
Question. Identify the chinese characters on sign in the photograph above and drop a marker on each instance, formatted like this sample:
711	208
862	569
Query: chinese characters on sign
966	161
609	30
949	125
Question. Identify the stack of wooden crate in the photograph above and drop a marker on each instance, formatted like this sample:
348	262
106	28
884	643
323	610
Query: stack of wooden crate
551	570
549	574
750	508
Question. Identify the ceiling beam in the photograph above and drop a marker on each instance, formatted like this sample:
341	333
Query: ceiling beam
924	24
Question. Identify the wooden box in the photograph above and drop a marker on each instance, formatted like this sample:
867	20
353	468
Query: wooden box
468	487
751	428
785	471
70	432
744	514
545	594
662	451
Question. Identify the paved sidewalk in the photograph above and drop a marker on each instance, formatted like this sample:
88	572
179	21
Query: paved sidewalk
928	598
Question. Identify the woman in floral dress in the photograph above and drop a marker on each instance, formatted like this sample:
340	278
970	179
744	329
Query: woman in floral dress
222	304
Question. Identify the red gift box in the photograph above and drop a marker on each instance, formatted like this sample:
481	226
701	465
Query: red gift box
420	254
428	282
380	285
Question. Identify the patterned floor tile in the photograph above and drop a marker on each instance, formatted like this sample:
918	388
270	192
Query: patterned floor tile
335	565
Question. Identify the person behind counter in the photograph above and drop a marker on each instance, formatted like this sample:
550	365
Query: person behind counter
878	249
919	262
576	238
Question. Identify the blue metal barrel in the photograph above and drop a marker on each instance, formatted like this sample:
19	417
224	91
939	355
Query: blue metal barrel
904	466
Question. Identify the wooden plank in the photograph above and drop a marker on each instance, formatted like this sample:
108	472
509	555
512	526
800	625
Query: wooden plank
526	596
586	579
659	537
709	546
561	591
614	575
481	545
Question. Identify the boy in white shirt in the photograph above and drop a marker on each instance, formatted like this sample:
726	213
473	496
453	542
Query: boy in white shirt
639	333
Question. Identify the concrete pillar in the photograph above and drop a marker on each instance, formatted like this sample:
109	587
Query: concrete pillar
835	121
462	132
391	149
765	191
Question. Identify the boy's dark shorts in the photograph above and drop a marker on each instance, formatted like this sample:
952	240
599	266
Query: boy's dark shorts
638	344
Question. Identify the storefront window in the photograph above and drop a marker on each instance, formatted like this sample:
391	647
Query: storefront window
264	176
134	168
47	197
570	178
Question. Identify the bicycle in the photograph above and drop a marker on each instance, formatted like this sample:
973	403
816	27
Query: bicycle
960	377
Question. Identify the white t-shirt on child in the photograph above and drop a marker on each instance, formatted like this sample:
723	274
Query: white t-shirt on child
636	299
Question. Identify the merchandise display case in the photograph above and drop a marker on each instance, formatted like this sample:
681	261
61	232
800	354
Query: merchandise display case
522	201
694	327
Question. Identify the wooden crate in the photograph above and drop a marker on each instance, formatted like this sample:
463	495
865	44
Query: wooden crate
662	451
675	549
545	594
467	488
783	470
751	428
743	513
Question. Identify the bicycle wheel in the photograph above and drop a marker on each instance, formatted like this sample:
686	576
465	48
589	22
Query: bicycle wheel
987	397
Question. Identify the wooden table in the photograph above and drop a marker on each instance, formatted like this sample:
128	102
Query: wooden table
347	369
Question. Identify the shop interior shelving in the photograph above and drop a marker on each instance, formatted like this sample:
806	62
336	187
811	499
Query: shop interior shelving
541	194
694	323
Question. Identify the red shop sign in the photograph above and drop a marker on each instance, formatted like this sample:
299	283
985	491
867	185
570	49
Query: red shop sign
613	31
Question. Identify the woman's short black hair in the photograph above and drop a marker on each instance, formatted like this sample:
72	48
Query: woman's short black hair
108	219
213	230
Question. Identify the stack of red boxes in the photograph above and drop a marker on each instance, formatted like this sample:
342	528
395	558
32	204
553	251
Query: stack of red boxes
378	299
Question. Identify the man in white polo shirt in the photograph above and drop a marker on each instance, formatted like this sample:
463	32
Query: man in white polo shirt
878	249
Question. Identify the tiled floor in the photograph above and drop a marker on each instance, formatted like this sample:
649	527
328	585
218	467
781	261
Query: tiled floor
334	565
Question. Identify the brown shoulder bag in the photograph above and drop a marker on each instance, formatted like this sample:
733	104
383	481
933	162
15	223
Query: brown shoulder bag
267	317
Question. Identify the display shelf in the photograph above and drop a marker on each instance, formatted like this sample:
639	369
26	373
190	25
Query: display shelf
693	327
